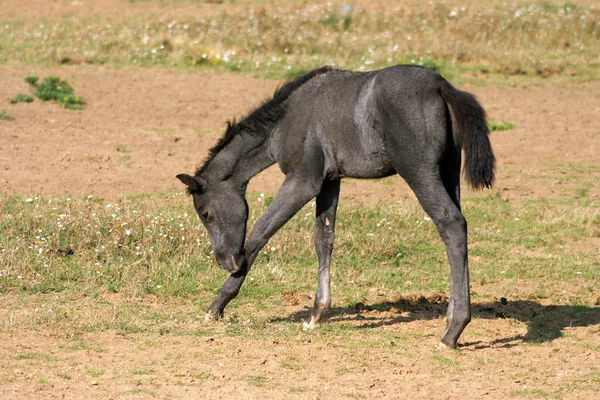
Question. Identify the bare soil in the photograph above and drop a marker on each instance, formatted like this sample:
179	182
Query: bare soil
141	127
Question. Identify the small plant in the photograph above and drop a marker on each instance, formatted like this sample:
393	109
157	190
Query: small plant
53	88
500	125
4	115
32	80
21	98
121	148
95	373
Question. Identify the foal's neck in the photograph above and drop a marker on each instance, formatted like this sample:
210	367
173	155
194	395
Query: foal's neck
245	156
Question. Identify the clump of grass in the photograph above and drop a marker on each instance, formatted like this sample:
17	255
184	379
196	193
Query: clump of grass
53	88
21	98
32	80
4	116
500	125
95	373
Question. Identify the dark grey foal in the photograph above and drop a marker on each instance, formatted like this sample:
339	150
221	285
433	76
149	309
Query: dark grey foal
330	124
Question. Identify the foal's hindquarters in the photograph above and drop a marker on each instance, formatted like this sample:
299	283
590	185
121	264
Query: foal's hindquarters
426	153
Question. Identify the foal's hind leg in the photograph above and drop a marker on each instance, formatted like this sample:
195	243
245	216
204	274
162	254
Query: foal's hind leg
327	201
452	226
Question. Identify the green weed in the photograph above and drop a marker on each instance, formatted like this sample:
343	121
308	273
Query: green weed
583	191
143	371
95	373
21	98
34	356
53	88
445	361
4	116
257	380
355	395
81	345
500	125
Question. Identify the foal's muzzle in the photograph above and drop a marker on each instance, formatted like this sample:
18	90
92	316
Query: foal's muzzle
232	263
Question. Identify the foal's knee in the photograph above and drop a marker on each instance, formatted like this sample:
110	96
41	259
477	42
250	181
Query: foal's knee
451	225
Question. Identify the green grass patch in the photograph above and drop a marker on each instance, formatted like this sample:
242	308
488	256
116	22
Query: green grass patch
95	373
4	116
257	380
21	98
445	361
154	245
52	88
500	125
34	356
83	346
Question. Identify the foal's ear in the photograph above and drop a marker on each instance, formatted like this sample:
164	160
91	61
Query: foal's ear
195	184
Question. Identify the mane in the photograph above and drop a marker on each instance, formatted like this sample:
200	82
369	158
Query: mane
265	115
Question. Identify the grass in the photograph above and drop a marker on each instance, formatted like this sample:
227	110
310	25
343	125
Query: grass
535	39
4	116
153	245
500	125
257	380
141	269
21	98
95	373
52	88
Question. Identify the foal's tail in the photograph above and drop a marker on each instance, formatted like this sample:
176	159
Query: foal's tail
471	131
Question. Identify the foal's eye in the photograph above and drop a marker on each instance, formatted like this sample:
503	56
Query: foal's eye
205	215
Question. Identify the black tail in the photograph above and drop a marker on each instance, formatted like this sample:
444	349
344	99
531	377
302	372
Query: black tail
470	129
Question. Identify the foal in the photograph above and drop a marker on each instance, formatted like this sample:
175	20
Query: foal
330	124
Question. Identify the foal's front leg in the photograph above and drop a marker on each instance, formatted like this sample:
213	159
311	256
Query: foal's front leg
292	196
327	202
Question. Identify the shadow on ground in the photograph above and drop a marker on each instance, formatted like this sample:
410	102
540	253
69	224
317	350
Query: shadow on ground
544	322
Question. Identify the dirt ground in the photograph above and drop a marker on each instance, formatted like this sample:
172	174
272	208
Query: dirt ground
141	127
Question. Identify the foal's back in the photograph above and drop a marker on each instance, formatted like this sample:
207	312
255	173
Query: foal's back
340	121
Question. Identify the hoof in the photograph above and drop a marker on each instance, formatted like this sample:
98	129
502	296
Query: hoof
446	346
210	317
310	324
443	346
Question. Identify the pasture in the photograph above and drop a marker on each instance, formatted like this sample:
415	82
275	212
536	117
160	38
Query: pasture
105	270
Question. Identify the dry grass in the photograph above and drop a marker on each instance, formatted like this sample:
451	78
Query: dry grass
521	38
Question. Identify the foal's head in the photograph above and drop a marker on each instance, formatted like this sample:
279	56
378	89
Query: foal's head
223	211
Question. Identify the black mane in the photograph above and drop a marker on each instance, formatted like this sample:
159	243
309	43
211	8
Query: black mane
267	114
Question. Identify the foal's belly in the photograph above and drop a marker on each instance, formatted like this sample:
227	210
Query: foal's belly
365	166
360	152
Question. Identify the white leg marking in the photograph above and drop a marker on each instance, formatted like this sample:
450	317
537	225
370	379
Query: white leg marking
310	325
